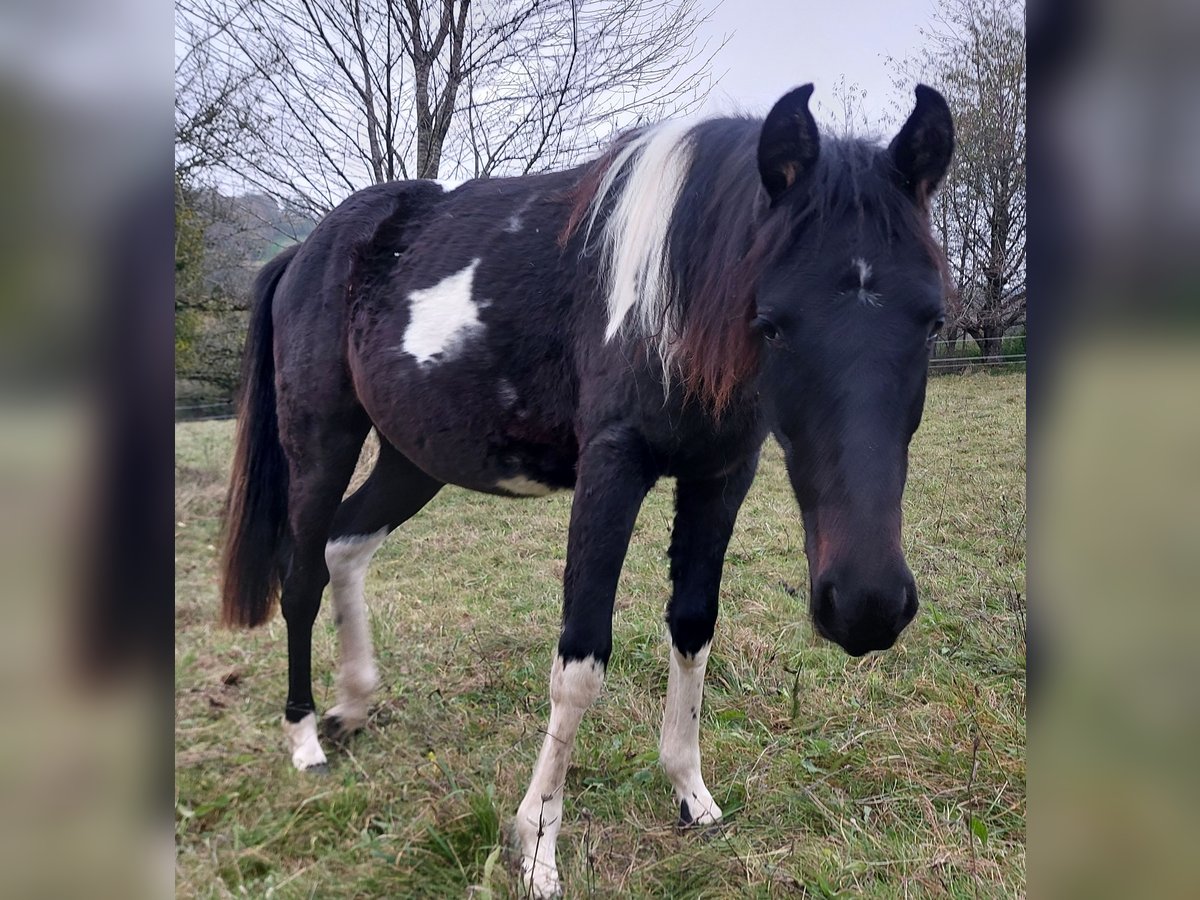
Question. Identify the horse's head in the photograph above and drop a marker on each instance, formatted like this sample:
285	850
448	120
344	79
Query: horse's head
848	307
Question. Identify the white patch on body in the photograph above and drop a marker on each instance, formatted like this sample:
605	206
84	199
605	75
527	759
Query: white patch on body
574	686
634	260
524	487
514	223
442	317
865	295
302	741
347	559
679	743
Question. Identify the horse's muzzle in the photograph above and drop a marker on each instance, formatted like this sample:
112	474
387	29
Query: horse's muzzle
860	620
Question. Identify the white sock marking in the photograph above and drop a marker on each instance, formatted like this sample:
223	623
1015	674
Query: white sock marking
679	744
302	741
442	317
635	234
347	559
524	487
573	688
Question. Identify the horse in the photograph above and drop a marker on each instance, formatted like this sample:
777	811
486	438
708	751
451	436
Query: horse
656	312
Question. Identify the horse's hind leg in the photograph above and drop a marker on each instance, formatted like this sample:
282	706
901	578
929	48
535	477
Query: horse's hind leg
321	461
395	491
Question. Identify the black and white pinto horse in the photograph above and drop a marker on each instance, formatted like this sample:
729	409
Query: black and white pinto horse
656	312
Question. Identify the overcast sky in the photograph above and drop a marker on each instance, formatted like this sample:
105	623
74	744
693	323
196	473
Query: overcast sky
775	45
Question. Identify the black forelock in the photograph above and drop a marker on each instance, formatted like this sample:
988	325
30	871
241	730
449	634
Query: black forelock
853	180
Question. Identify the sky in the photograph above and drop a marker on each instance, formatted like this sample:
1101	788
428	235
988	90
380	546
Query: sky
775	45
772	46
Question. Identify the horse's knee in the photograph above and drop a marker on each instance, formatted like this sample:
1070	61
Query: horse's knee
691	626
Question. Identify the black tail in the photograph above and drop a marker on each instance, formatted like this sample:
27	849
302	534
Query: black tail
256	507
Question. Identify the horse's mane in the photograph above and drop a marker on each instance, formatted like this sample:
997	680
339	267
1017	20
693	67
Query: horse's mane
696	293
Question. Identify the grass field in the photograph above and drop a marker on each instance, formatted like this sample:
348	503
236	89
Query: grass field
896	775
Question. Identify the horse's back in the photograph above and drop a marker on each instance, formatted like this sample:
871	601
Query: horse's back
312	302
343	238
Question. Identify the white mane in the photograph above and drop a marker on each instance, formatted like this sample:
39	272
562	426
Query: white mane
634	262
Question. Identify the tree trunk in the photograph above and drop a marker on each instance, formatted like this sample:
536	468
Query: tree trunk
990	340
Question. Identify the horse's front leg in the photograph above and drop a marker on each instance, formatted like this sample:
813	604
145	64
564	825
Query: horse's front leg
704	515
614	473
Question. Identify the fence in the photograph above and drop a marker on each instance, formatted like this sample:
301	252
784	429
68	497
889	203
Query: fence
964	361
205	412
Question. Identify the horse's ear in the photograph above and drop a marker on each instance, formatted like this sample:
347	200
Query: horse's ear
789	143
922	150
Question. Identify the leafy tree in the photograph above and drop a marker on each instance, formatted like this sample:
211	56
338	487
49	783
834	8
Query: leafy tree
220	241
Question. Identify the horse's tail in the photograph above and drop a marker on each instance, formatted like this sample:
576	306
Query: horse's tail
256	506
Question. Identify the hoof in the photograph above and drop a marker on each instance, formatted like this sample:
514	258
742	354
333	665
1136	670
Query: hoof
338	728
538	882
315	765
698	812
302	740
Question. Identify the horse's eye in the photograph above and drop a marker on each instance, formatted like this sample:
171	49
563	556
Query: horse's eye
935	330
766	328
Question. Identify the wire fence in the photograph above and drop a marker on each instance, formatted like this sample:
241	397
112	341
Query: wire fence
1004	359
223	410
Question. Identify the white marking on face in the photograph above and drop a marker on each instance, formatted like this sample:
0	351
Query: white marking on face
302	741
864	271
635	233
347	559
574	686
524	487
442	317
679	743
865	295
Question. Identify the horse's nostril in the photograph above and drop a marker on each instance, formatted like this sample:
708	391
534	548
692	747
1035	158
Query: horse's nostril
910	605
826	603
827	597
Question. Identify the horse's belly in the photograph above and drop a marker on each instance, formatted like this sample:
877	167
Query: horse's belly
482	460
475	429
473	387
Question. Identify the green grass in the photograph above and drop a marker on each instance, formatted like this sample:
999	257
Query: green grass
898	775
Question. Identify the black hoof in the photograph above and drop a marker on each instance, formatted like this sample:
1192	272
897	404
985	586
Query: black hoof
688	823
334	728
685	815
319	769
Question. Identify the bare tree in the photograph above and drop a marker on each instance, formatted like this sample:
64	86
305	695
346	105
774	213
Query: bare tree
975	54
845	115
218	104
355	92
